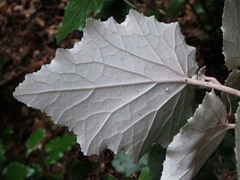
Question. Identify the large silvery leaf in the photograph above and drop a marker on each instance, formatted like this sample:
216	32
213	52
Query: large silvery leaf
237	135
231	33
122	87
197	140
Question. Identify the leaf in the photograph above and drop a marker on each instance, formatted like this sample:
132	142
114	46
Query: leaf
5	135
231	33
156	158
57	146
175	8
123	87
38	171
105	177
237	135
233	81
197	140
17	171
145	174
75	15
35	138
122	163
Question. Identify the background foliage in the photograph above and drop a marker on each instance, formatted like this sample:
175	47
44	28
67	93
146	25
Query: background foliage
31	146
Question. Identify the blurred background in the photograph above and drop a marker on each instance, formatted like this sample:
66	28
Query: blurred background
31	146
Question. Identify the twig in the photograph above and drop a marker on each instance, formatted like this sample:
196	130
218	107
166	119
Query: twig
201	76
130	4
230	105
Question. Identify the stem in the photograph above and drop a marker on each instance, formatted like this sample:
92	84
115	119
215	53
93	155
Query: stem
231	126
130	4
212	85
230	104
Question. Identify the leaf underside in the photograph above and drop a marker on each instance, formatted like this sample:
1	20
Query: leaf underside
237	136
231	33
197	140
122	87
232	81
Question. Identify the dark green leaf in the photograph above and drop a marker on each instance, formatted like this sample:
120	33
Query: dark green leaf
175	8
5	135
198	8
37	171
211	5
35	138
76	13
202	37
153	13
108	178
57	176
156	158
56	147
17	171
145	174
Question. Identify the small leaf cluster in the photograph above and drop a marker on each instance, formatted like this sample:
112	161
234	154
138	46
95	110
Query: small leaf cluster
19	168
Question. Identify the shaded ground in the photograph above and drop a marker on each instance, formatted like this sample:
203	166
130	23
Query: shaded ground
27	40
